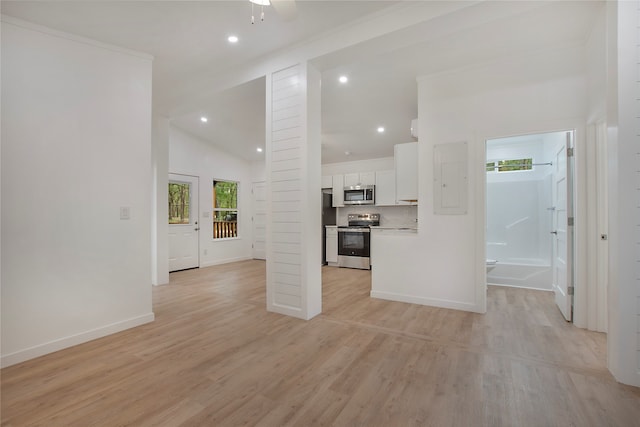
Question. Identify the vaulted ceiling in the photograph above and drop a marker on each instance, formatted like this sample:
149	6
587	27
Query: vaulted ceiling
189	43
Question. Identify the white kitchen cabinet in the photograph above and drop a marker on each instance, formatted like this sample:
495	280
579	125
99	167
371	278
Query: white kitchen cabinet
367	178
406	163
351	179
332	245
386	188
338	191
327	181
362	178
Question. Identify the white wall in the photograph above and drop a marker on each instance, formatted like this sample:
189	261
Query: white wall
534	93
190	155
591	298
76	148
159	205
258	171
537	93
371	165
596	50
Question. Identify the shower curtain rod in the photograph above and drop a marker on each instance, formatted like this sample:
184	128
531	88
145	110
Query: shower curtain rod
522	164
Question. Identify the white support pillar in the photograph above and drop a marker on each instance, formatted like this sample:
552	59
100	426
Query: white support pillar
624	194
294	281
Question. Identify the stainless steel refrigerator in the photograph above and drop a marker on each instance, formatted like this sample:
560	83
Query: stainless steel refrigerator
328	218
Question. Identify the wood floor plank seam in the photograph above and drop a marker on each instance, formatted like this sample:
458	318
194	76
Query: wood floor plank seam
602	373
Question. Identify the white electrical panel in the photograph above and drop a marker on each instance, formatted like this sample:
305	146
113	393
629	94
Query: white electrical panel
450	179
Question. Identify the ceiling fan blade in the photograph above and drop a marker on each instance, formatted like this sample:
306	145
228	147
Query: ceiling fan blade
287	9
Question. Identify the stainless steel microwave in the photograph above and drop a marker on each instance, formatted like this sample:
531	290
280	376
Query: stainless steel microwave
359	195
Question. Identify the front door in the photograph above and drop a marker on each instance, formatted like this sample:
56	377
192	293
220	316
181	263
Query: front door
562	233
183	222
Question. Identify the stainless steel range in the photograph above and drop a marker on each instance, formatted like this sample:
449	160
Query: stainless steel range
354	241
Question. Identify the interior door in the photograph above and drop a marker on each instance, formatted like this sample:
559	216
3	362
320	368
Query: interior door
183	222
562	233
259	220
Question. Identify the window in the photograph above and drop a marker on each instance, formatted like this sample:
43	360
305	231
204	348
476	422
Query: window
225	209
179	198
510	165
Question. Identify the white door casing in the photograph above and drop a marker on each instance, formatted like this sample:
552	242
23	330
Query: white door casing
259	217
184	238
561	262
602	254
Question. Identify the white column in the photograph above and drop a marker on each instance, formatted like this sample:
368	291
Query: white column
624	195
294	281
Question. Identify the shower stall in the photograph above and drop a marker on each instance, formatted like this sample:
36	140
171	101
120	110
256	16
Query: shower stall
520	211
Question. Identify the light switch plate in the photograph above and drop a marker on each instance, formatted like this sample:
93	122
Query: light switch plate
125	212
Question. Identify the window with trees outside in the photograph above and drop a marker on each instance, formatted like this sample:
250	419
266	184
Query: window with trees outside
225	209
179	199
510	165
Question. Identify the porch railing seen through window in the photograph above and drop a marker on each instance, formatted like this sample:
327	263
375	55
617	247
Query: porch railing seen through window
225	229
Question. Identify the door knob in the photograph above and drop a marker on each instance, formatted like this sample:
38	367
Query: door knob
554	232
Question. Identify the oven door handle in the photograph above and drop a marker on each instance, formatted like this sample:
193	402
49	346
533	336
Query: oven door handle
354	230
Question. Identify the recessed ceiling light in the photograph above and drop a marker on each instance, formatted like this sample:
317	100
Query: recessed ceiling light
347	153
343	79
259	150
380	129
233	39
261	2
203	119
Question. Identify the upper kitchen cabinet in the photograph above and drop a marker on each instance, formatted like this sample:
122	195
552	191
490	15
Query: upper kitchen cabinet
327	181
362	178
338	191
386	188
406	164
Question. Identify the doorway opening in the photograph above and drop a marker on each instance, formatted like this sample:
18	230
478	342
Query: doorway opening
529	218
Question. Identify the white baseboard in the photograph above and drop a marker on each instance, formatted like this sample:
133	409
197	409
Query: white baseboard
632	380
223	261
434	302
70	341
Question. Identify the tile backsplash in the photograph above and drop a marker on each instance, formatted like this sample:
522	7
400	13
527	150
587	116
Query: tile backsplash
390	216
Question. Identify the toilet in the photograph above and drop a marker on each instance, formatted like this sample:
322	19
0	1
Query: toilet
491	264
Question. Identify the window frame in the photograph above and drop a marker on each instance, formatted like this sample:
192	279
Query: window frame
187	204
497	166
235	210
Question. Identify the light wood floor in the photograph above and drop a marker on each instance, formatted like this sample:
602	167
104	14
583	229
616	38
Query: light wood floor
215	357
